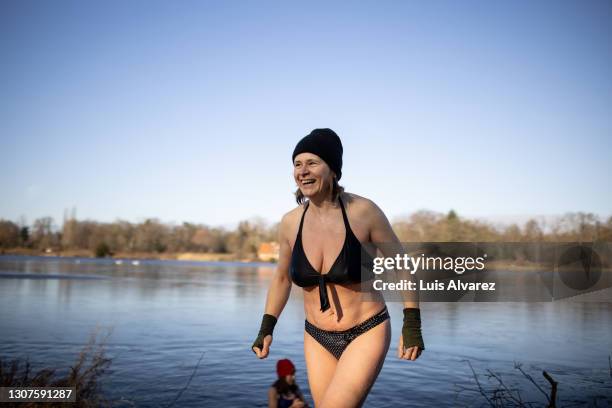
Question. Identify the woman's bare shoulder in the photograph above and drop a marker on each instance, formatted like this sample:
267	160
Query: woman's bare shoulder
360	205
290	220
293	214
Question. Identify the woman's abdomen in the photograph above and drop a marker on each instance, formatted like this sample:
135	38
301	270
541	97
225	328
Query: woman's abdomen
348	306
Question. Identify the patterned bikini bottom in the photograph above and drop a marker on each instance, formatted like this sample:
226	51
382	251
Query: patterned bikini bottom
337	341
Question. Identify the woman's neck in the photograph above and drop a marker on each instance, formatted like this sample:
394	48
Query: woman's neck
322	204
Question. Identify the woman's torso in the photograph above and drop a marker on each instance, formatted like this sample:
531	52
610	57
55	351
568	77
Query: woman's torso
285	401
322	240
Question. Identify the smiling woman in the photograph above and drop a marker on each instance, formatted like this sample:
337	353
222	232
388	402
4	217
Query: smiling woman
345	339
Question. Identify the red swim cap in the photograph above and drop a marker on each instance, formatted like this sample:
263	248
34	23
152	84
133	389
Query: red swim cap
285	367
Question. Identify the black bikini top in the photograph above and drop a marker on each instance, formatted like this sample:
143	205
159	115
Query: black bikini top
346	268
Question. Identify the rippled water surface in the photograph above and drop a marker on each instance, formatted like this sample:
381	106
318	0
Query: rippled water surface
165	315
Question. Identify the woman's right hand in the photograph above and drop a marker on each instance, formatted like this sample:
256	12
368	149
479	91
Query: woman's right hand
297	403
261	346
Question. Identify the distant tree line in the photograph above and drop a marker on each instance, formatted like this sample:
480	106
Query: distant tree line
428	226
150	236
153	236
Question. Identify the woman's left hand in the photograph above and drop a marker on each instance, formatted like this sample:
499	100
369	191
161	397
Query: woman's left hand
410	353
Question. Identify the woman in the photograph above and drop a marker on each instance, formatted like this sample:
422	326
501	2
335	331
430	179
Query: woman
345	338
285	393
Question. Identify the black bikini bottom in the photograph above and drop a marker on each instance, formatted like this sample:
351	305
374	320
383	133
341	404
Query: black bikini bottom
337	341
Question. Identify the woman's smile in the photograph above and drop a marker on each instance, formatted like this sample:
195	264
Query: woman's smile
308	182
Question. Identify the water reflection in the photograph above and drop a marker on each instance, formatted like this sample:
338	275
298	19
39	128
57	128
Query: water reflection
166	314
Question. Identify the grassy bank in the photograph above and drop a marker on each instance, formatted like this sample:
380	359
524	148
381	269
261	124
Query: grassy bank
84	376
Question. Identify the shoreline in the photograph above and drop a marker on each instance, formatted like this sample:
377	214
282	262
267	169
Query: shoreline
169	256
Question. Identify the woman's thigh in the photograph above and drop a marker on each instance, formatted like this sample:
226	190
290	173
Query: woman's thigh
358	368
320	366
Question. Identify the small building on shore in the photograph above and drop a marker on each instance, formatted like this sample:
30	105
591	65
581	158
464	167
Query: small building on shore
268	251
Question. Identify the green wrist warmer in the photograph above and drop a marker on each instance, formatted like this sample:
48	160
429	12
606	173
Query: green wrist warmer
411	330
267	327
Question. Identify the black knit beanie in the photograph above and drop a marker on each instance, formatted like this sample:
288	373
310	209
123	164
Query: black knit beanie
326	144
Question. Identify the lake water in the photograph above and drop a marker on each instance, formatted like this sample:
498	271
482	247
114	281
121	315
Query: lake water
165	315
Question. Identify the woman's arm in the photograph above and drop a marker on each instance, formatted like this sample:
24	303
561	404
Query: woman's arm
381	232
410	344
272	398
280	286
279	289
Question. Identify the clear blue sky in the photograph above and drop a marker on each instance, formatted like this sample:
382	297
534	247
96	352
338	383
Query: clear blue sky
189	111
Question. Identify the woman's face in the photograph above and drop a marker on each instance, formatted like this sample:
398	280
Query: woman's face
312	175
290	379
